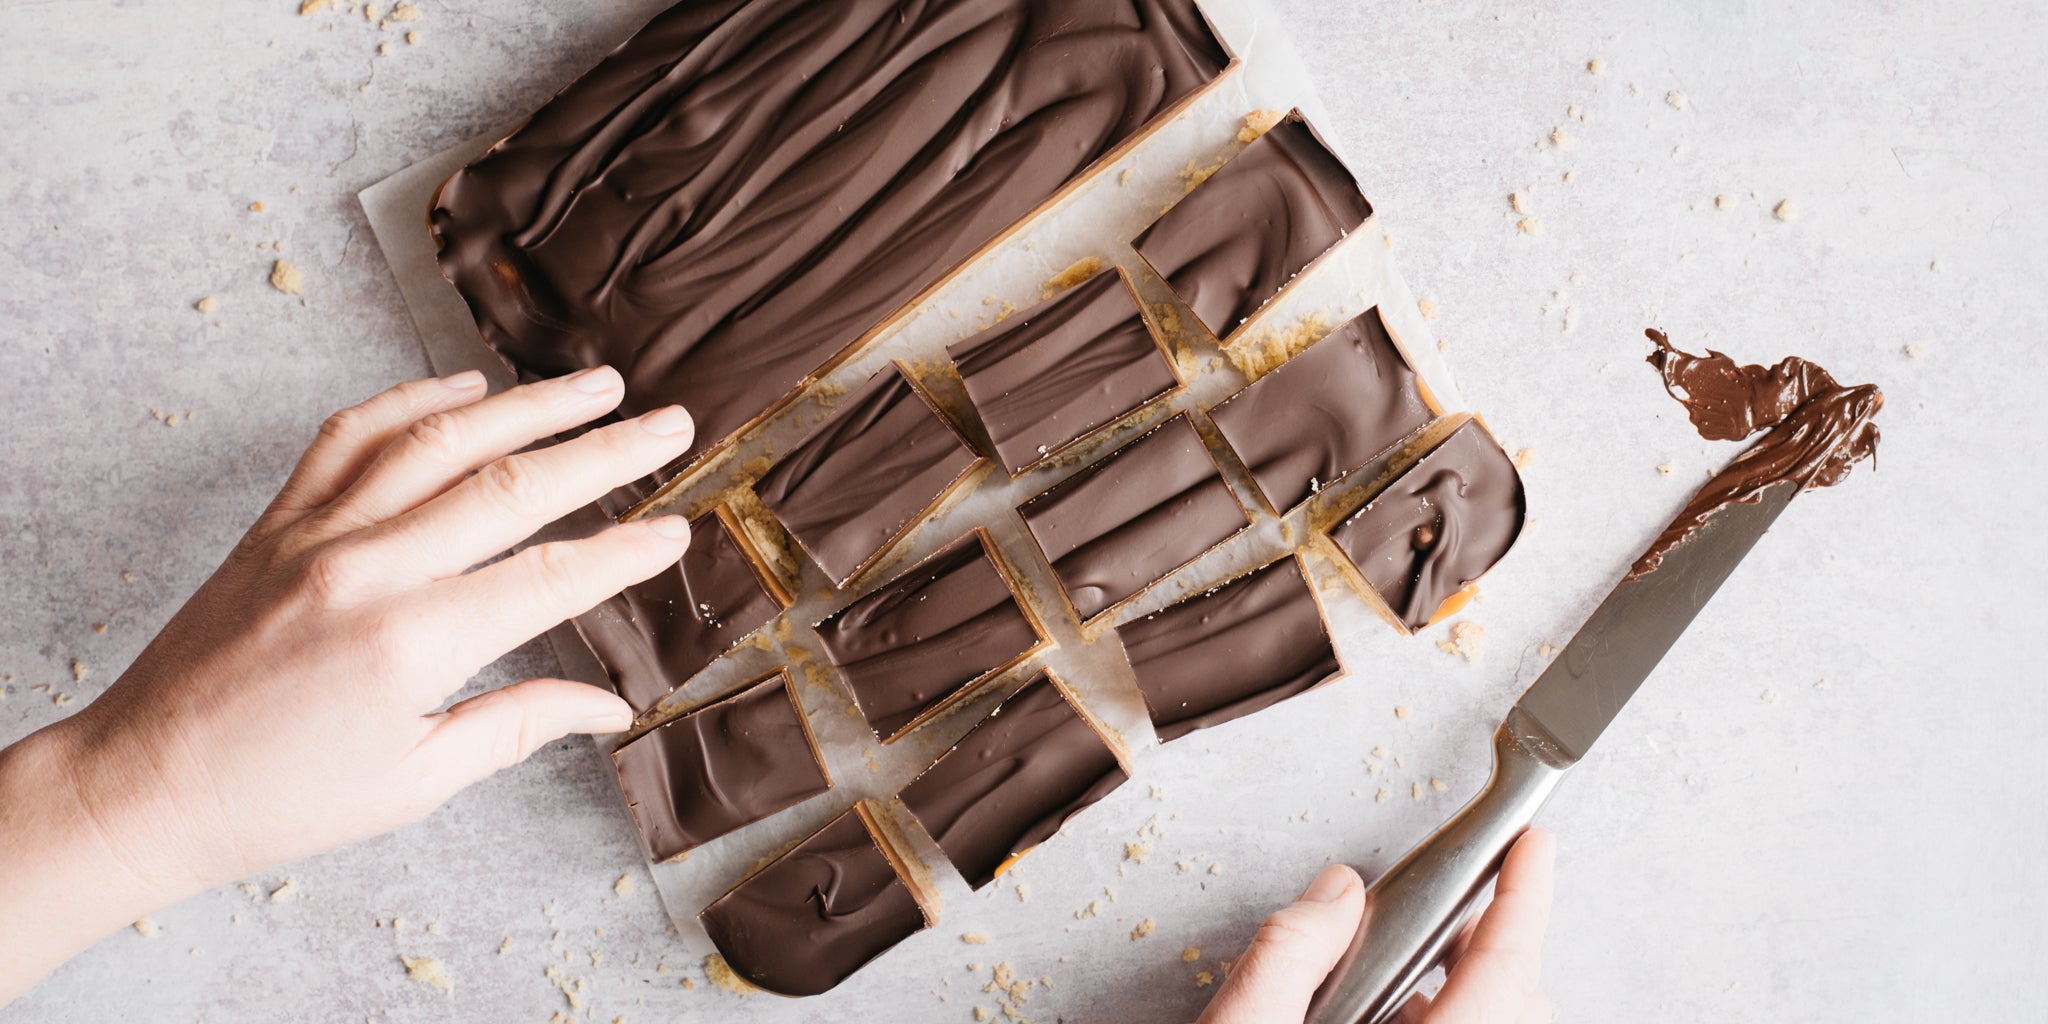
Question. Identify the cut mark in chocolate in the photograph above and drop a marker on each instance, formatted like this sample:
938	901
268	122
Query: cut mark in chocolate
721	767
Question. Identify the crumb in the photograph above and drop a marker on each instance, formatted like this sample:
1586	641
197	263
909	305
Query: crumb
1560	138
1768	696
1467	641
1093	909
78	670
1529	226
1596	66
1081	270
251	890
1185	867
1914	350
1518	202
1668	468
1822	684
1786	210
1144	928
1190	955
1570	175
1137	852
1215	869
100	628
127	575
1427	307
427	971
1383	795
624	886
433	927
383	49
287	278
1402	711
1524	457
1676	99
1415	790
981	1013
1157	792
1569	321
1934	266
405	11
412	38
1724	202
505	947
145	927
575	990
308	8
62	700
689	984
1204	979
207	304
721	974
1258	123
1545	650
1023	893
1194	176
1438	784
1124	178
974	938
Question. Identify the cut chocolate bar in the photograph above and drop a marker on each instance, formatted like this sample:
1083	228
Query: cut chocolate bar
746	190
1128	521
1335	407
809	919
721	767
1025	771
884	459
656	635
1238	648
1421	541
1050	375
929	636
1242	235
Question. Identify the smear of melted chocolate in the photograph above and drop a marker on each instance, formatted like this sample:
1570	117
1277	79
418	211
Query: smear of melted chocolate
1814	429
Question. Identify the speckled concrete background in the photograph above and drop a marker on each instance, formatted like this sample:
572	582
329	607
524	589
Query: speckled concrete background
1746	845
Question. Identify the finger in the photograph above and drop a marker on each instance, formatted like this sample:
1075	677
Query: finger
503	727
475	618
508	500
1292	953
438	450
1414	1011
1501	967
1536	1010
351	439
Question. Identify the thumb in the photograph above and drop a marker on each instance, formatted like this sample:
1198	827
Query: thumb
1292	954
501	728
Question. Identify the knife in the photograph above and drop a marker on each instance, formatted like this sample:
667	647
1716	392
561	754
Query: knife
1415	910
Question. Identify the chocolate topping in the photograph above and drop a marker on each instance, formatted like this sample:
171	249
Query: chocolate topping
815	915
746	188
927	636
656	635
720	767
1817	430
1047	377
865	475
1007	786
1240	236
1439	526
1143	511
1221	655
1325	412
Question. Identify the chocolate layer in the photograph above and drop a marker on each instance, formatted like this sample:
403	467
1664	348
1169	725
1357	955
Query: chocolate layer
1816	430
656	635
746	188
1438	526
1146	509
1008	785
865	475
1221	655
1331	409
927	636
813	916
1047	377
720	767
1239	237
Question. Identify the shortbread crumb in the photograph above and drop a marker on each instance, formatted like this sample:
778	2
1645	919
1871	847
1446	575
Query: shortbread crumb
1081	270
974	938
1427	307
1596	66
1467	641
1144	929
722	975
1786	210
1676	98
623	887
207	304
1258	123
1529	226
287	278
427	971
145	928
286	891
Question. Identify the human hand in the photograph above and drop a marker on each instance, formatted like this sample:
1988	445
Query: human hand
1491	973
291	705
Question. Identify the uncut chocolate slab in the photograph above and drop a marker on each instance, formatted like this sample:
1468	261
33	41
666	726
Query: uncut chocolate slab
1347	399
655	635
882	460
815	915
721	767
928	636
746	188
1233	650
1050	375
1126	522
1438	526
1013	781
1239	237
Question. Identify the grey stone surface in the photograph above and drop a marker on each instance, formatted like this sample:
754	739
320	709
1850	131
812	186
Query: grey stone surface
1746	845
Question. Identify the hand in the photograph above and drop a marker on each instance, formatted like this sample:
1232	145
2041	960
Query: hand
1491	973
291	705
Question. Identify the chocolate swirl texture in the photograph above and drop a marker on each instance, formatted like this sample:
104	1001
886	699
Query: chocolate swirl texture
1233	650
1137	515
720	767
1049	376
655	635
866	474
1239	237
1013	781
1324	413
1814	429
746	188
815	915
1438	526
927	636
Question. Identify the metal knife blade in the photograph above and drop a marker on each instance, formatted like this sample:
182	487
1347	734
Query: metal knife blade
1619	646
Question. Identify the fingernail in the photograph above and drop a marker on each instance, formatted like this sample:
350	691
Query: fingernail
1328	886
666	422
594	381
610	721
463	381
672	527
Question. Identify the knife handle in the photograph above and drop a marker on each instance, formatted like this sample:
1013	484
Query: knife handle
1414	911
